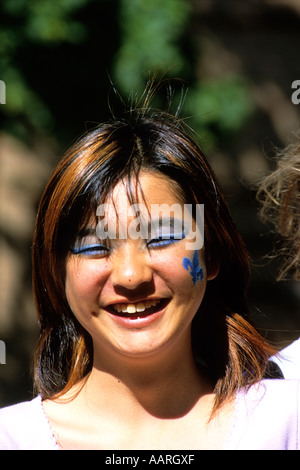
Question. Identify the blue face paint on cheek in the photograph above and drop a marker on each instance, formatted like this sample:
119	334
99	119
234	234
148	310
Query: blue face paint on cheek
193	268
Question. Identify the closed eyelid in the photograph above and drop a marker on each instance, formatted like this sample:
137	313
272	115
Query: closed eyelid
88	249
166	239
87	242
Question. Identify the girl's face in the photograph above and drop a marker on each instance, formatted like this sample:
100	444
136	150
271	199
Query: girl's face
136	295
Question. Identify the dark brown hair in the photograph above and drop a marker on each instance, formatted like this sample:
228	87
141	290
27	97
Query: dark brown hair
224	341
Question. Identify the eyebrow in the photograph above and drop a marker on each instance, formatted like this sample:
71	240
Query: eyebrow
168	222
86	231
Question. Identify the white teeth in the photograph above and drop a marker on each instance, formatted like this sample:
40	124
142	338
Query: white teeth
133	308
129	309
140	307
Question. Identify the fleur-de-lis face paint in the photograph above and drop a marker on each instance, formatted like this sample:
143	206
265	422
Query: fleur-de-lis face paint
193	267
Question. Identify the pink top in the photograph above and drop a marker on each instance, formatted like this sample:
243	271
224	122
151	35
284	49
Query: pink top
265	418
289	360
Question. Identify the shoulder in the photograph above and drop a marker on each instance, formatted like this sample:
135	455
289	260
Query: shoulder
24	426
289	360
278	399
267	416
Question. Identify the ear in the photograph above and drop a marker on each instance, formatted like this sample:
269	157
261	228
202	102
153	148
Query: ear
213	271
212	264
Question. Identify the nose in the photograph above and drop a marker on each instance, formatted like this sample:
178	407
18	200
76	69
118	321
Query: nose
130	268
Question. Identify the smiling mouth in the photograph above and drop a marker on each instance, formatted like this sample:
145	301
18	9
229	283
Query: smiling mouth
138	309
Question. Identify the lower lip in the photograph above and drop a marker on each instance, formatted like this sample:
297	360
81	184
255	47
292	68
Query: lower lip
136	321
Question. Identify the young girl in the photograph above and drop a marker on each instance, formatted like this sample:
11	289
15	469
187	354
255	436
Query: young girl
145	338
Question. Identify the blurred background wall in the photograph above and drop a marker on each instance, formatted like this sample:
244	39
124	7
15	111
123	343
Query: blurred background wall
57	60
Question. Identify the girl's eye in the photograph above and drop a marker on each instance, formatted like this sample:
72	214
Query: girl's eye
90	250
165	240
88	244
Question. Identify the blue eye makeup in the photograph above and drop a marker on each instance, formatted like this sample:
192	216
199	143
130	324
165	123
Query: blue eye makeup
162	233
165	240
89	250
88	244
165	232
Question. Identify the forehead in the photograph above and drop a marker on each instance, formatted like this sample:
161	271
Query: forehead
149	188
150	195
143	207
152	198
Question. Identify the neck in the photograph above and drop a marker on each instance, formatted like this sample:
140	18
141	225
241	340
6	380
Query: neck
165	387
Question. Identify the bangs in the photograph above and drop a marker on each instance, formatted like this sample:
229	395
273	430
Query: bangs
117	154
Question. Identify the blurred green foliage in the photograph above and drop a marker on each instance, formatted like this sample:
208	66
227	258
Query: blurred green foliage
42	60
34	21
56	59
152	34
28	22
219	108
46	20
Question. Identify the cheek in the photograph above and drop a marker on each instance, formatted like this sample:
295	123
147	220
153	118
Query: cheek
83	281
187	282
184	270
194	267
